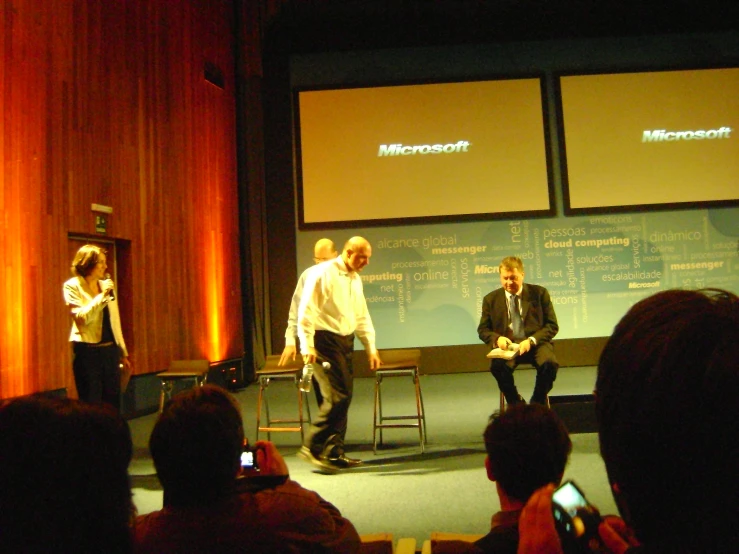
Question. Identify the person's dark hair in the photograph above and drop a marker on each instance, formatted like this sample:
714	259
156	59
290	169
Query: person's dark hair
86	259
667	402
511	263
64	477
196	445
528	446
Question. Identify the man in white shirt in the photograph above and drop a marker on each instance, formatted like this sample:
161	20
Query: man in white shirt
323	251
332	310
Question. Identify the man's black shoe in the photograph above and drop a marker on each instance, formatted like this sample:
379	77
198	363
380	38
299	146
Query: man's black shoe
343	462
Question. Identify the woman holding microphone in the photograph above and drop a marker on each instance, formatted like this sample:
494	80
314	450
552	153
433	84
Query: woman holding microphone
96	337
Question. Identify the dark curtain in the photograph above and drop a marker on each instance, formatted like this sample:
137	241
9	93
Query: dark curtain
251	176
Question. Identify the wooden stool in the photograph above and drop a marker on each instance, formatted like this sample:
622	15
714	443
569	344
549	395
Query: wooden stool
180	370
273	372
398	363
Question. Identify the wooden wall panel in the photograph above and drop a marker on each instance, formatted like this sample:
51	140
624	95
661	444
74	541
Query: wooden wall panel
105	101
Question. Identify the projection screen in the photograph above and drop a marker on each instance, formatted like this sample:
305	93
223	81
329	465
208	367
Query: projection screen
422	153
657	139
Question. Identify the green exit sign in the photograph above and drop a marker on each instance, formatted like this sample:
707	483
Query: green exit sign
101	224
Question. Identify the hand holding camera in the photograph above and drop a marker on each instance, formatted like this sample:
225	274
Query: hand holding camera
263	458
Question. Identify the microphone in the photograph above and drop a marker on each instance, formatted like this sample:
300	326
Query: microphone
112	291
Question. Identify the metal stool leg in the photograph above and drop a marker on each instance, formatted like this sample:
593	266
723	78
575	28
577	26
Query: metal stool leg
379	405
259	406
374	419
165	394
266	409
300	408
419	410
423	411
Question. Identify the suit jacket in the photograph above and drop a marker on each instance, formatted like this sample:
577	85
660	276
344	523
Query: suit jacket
539	319
87	314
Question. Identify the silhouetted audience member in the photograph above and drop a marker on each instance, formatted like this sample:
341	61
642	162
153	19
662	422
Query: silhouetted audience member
210	505
527	447
668	412
64	484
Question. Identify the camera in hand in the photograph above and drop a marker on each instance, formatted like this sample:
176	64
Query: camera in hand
576	520
249	458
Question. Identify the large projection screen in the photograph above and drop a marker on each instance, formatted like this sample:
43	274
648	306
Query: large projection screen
661	139
422	153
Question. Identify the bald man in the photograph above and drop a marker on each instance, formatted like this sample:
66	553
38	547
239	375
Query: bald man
332	310
323	251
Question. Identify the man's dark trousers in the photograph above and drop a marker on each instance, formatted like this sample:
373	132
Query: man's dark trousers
542	358
327	432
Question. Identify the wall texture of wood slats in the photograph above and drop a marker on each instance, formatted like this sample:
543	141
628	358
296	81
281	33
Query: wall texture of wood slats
105	101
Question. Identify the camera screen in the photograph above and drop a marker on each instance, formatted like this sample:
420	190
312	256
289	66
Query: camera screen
247	459
569	497
568	506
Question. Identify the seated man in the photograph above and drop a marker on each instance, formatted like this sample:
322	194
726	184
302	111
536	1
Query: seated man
668	417
209	506
520	313
527	447
64	477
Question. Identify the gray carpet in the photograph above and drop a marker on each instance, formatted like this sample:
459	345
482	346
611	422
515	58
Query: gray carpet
399	490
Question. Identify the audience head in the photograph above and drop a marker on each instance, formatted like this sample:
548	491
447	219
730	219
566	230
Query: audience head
324	250
63	477
667	401
86	259
528	447
196	445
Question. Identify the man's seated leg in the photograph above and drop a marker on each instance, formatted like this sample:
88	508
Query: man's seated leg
502	370
546	372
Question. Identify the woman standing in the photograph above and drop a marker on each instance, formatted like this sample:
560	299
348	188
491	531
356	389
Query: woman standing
97	339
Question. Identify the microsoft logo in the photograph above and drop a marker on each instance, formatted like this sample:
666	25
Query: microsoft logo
661	135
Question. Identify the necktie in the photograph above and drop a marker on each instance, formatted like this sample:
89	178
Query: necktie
516	321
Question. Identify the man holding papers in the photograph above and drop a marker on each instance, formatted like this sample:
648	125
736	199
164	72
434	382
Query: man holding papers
522	314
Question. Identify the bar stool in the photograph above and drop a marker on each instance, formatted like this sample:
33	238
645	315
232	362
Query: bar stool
182	370
399	363
290	373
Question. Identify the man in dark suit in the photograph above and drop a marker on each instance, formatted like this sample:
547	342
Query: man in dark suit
523	314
